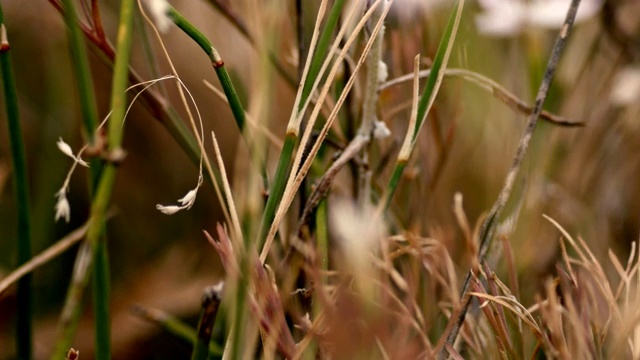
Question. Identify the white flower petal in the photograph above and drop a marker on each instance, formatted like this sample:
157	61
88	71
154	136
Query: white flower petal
158	10
82	162
189	199
508	17
65	148
63	210
501	18
169	210
383	72
380	130
626	86
552	13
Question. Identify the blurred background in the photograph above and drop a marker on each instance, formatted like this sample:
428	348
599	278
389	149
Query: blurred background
585	177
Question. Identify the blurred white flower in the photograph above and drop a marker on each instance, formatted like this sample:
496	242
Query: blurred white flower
413	10
626	86
383	72
359	232
63	210
509	17
189	199
159	10
380	130
169	210
66	149
185	203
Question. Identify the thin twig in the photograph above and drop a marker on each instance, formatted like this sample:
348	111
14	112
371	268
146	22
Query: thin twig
323	186
501	93
488	226
54	250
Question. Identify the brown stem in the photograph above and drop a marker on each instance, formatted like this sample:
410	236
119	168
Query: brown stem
488	226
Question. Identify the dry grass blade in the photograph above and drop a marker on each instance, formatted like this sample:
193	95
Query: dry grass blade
488	84
515	307
488	226
227	193
49	254
295	178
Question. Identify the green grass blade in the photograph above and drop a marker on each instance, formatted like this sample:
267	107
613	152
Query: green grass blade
174	327
218	64
291	138
277	188
101	201
428	96
101	283
24	298
321	50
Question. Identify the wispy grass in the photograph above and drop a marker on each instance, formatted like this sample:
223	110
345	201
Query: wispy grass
347	277
24	297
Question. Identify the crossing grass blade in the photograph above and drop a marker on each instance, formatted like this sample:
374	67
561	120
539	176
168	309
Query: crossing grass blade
426	100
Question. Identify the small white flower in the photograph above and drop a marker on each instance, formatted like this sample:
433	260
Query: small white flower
380	130
626	86
169	210
188	200
413	10
359	231
218	287
383	72
159	10
509	17
66	149
63	210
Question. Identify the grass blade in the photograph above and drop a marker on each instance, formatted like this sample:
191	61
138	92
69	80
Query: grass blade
218	64
488	226
71	310
426	100
173	326
21	193
101	281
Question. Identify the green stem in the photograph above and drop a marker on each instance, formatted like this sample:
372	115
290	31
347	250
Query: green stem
101	290
24	298
277	188
393	182
238	323
82	71
428	97
322	236
174	326
321	50
103	195
101	283
207	46
291	138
